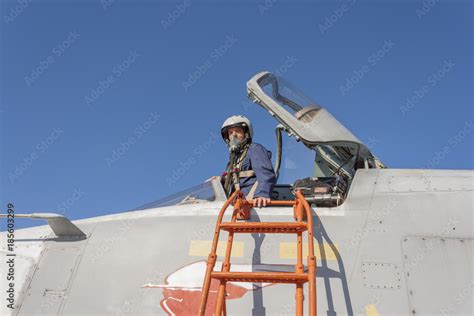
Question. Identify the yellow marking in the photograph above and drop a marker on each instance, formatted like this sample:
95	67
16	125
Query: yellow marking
371	310
201	248
288	251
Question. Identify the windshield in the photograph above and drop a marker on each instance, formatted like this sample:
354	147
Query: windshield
297	161
327	161
335	160
197	194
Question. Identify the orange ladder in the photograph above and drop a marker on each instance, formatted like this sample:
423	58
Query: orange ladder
302	211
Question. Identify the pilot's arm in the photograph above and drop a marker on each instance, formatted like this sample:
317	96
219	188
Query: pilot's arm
260	159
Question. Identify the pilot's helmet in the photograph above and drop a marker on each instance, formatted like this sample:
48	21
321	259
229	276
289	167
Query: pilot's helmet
236	120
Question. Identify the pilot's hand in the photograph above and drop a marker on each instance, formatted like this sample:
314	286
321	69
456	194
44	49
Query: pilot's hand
260	201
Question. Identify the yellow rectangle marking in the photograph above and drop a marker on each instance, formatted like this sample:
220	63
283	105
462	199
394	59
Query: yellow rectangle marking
201	248
371	310
288	251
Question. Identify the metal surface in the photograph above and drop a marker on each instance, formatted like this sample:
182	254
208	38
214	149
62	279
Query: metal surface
47	291
423	259
379	275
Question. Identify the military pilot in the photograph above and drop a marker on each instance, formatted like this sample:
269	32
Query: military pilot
249	168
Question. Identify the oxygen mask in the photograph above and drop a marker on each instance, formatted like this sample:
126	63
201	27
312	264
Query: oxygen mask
234	144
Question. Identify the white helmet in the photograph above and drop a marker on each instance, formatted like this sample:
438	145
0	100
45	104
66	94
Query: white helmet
236	120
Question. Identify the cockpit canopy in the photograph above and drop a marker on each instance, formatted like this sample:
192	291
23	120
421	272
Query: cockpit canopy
302	116
339	152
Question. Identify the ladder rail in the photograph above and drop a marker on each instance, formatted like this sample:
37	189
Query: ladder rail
211	261
299	267
221	303
311	258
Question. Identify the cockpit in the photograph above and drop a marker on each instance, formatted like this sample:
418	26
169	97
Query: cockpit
314	152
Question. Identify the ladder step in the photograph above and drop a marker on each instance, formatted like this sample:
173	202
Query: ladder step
261	277
265	227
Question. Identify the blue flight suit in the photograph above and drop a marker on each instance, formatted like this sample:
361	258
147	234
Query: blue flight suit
258	159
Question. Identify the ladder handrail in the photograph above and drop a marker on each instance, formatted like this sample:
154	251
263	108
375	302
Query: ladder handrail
311	257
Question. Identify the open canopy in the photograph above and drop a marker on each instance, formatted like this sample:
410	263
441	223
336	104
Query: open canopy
303	117
311	124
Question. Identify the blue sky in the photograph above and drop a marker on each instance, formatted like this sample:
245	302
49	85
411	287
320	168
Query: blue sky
154	80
